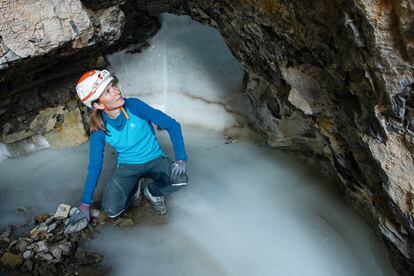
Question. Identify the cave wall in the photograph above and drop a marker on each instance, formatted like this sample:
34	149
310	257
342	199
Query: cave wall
331	80
44	47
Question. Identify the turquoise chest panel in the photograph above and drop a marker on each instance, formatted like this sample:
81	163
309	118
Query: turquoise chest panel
135	142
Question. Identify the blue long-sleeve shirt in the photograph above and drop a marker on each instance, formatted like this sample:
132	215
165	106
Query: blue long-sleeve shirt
133	139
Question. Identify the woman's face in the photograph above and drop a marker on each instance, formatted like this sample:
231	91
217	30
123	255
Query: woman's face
110	98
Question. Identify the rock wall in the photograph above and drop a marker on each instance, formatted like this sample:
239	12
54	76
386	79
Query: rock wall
44	47
332	80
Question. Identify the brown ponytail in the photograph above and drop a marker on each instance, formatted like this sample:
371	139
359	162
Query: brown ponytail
96	122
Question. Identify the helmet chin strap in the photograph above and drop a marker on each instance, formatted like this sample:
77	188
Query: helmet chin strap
122	109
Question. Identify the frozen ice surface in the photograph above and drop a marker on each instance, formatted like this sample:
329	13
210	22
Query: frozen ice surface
248	210
39	182
188	72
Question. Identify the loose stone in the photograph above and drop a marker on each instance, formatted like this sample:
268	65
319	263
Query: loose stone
125	222
51	227
102	217
42	247
95	213
49	220
42	252
21	245
41	218
57	252
11	260
45	256
57	238
62	211
8	232
12	244
6	236
66	247
72	211
28	266
27	254
22	209
38	230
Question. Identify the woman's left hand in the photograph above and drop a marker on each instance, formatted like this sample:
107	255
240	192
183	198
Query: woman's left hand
178	167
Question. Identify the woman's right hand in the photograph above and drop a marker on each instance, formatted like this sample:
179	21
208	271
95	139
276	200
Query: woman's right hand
178	167
82	212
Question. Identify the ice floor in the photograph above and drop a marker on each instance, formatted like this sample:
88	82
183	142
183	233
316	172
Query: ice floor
248	210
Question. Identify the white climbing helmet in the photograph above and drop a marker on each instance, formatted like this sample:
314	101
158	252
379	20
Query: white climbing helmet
91	85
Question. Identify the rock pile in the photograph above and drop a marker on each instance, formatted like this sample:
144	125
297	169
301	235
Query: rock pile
52	246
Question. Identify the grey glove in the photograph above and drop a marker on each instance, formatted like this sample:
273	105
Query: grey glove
82	212
178	167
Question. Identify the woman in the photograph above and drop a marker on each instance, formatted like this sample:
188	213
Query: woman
125	124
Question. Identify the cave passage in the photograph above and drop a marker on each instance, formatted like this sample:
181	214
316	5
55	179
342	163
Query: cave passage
248	209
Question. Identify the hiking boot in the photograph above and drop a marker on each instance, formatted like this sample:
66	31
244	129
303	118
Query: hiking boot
136	198
159	205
